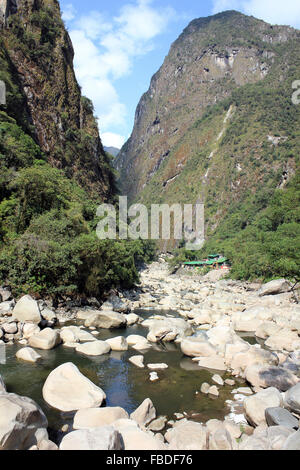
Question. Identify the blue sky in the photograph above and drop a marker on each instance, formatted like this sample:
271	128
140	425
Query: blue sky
119	45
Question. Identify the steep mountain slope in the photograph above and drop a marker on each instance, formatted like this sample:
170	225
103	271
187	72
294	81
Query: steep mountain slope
37	61
53	169
218	125
112	150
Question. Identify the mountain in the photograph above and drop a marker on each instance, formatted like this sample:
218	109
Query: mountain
54	171
112	150
218	125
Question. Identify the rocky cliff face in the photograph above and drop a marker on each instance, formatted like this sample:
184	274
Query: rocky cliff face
37	61
206	126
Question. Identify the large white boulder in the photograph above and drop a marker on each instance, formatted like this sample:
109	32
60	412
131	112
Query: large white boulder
136	439
66	389
28	355
96	417
256	405
96	348
118	344
106	319
187	436
27	310
29	329
22	422
45	339
102	438
74	334
197	346
277	286
145	413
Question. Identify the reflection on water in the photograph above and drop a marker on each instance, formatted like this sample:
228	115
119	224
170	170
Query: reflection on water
124	384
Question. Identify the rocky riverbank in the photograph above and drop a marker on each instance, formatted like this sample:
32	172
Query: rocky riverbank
212	317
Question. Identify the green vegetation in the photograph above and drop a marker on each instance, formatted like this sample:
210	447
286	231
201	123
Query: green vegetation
48	199
260	246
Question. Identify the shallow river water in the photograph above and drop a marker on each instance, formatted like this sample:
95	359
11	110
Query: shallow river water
124	384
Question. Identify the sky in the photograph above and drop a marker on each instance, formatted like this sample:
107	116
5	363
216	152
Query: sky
119	45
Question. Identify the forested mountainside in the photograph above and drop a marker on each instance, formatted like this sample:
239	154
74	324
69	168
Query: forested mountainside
54	171
218	125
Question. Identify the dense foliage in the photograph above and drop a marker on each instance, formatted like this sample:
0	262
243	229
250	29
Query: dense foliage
48	202
48	242
263	245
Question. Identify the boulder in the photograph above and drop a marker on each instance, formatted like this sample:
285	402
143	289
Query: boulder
132	319
221	336
66	389
280	417
213	363
134	339
275	287
114	303
253	355
292	399
29	329
96	348
197	346
278	435
256	405
167	330
74	334
220	439
270	376
49	316
46	444
27	310
158	424
284	339
101	438
106	319
187	436
138	361
292	442
144	414
5	294
85	314
255	443
118	344
28	355
2	385
267	329
6	307
45	339
141	345
22	422
136	439
97	417
10	328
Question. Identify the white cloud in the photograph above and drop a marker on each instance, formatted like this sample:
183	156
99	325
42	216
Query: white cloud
109	139
272	11
105	51
68	12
